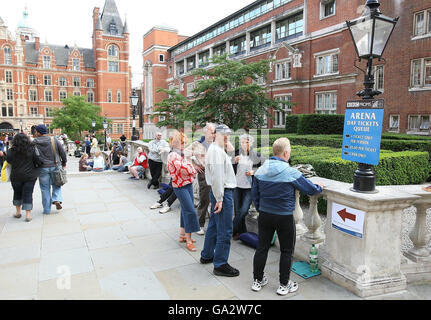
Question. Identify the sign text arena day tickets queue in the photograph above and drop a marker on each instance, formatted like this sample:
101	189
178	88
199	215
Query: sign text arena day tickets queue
362	121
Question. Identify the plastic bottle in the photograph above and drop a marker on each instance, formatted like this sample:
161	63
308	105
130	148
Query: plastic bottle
314	265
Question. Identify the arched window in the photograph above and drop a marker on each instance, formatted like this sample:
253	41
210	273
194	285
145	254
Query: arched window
7	55
113	59
118	96
109	96
90	96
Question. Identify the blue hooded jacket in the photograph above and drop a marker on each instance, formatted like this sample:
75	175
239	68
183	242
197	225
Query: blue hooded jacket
274	185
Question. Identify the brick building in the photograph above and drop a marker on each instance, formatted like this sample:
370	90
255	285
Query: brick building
314	55
35	77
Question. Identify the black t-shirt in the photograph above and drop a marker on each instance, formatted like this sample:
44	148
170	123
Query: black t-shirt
22	165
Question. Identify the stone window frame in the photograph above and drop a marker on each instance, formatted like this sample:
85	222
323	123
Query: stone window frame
426	24
32	79
32	95
278	65
392	123
9	94
47	95
331	109
113	58
49	112
8	76
420	82
62	94
47	80
287	110
90	93
323	54
7	51
32	113
379	77
323	4
62	81
76	64
46	62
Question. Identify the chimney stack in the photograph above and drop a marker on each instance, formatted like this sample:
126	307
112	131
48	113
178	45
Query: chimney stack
37	43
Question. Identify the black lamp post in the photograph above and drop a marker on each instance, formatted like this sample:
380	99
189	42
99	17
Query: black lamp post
20	124
93	124
370	34
134	102
105	126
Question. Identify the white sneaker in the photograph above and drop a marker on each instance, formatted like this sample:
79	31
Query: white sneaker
201	232
292	286
165	209
257	285
156	205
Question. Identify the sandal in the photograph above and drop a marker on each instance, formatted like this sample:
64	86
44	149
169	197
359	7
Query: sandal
28	219
184	239
191	246
17	216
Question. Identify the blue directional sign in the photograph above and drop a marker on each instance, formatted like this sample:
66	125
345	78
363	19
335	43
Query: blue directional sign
363	131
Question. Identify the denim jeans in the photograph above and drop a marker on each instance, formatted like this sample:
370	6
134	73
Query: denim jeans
268	223
242	202
46	182
219	231
189	219
23	194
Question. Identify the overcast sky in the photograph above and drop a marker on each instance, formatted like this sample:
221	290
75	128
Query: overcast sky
68	22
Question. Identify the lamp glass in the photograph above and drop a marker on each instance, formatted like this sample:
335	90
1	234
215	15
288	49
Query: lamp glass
382	32
134	100
105	125
361	33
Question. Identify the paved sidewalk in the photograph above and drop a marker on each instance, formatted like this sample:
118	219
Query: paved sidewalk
114	247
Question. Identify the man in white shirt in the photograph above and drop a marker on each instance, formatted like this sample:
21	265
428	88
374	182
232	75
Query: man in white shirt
155	160
219	174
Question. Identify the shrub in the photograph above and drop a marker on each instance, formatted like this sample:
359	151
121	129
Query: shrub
320	124
292	123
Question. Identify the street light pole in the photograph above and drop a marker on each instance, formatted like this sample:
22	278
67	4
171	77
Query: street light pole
134	102
93	124
105	126
20	124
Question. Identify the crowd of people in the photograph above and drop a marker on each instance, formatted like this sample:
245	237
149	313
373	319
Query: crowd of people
229	182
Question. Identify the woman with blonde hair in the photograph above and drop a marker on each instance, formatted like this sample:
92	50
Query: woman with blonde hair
183	174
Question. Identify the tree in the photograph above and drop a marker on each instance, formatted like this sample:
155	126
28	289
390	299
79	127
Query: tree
230	93
173	109
76	116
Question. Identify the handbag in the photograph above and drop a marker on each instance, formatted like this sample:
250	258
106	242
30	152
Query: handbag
5	172
60	174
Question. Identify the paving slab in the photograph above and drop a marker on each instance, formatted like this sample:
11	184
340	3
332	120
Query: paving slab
105	237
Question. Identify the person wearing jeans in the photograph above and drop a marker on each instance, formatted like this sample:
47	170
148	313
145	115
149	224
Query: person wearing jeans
155	160
51	194
220	176
273	193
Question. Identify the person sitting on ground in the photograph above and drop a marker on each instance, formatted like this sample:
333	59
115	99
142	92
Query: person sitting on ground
273	193
169	196
99	162
83	165
139	165
121	166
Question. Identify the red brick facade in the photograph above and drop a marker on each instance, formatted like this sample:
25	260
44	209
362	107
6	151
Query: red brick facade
321	56
43	74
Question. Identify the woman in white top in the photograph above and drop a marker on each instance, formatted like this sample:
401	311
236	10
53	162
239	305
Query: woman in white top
99	162
245	163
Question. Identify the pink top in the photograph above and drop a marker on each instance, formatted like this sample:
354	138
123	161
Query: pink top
181	170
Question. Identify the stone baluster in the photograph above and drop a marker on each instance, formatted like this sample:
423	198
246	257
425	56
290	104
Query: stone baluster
298	215
313	222
420	236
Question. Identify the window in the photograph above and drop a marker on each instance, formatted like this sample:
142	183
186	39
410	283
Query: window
8	76
219	50
90	83
47	80
161	58
113	57
204	58
109	96
32	79
378	73
32	95
118	96
180	68
326	102
291	27
46	62
90	97
10	110
48	95
113	28
62	82
62	95
190	88
421	73
170	70
283	70
191	63
280	116
7	55
237	46
120	128
33	111
327	8
394	122
49	112
76	64
76	81
422	23
326	64
77	93
3	111
9	94
419	123
260	37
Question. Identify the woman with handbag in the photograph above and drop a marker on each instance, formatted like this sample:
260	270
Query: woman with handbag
51	154
24	162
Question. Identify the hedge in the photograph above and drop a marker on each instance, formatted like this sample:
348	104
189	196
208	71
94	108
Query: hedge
315	123
291	124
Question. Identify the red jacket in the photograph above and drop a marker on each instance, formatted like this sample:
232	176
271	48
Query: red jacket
143	164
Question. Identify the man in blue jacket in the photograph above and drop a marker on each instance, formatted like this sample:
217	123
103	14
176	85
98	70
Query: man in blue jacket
273	193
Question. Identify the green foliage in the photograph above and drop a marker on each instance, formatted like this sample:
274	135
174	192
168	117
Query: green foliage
291	123
76	116
173	108
320	124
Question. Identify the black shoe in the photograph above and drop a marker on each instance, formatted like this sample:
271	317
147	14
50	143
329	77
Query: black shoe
226	271
149	185
206	261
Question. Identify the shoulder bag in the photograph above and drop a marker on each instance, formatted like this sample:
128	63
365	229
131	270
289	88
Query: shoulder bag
37	162
60	175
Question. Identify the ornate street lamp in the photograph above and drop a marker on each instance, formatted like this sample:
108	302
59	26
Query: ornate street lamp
105	126
134	99
20	124
370	34
93	124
